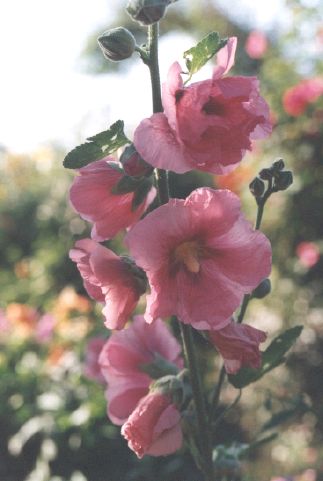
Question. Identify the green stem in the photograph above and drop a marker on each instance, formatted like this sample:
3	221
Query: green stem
204	431
162	186
161	176
216	395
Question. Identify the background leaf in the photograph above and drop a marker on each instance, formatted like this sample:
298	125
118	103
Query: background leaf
97	147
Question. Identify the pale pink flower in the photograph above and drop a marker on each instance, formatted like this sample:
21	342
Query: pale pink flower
109	279
256	44
308	254
45	327
201	256
154	427
208	125
238	344
297	98
123	357
92	368
92	197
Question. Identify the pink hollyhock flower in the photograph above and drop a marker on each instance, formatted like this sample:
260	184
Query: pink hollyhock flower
201	256
123	358
109	279
308	253
92	368
238	344
92	197
154	427
208	125
256	44
297	98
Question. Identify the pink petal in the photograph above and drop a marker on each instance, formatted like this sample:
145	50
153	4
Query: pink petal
156	142
225	58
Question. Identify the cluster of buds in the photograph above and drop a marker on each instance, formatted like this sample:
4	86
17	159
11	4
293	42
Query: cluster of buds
278	179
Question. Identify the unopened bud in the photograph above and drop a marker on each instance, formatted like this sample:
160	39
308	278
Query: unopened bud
257	187
262	290
266	174
117	44
133	163
278	165
283	180
176	386
147	12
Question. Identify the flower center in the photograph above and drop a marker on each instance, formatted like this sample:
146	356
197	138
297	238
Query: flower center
189	253
214	107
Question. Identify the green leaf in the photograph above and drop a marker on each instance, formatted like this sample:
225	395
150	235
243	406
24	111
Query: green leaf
271	358
97	147
197	56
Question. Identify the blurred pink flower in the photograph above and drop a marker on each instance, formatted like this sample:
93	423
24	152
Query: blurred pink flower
92	368
208	125
256	44
297	98
238	344
308	253
200	256
122	359
154	427
44	329
109	279
92	197
4	323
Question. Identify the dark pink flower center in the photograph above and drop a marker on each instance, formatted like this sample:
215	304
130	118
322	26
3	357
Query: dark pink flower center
214	107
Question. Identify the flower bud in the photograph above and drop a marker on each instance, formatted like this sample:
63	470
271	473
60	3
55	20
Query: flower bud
117	44
266	174
278	165
283	180
133	163
262	290
257	187
147	12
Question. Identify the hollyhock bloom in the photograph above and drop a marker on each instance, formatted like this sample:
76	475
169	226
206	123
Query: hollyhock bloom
297	98
109	279
122	360
154	427
256	44
238	344
208	125
308	253
201	256
92	368
92	197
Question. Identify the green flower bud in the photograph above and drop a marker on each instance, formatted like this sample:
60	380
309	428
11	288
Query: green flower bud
262	290
283	180
257	187
147	12
117	44
266	174
278	165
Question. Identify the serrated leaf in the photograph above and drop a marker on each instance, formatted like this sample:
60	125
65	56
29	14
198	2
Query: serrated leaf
197	56
271	358
97	147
